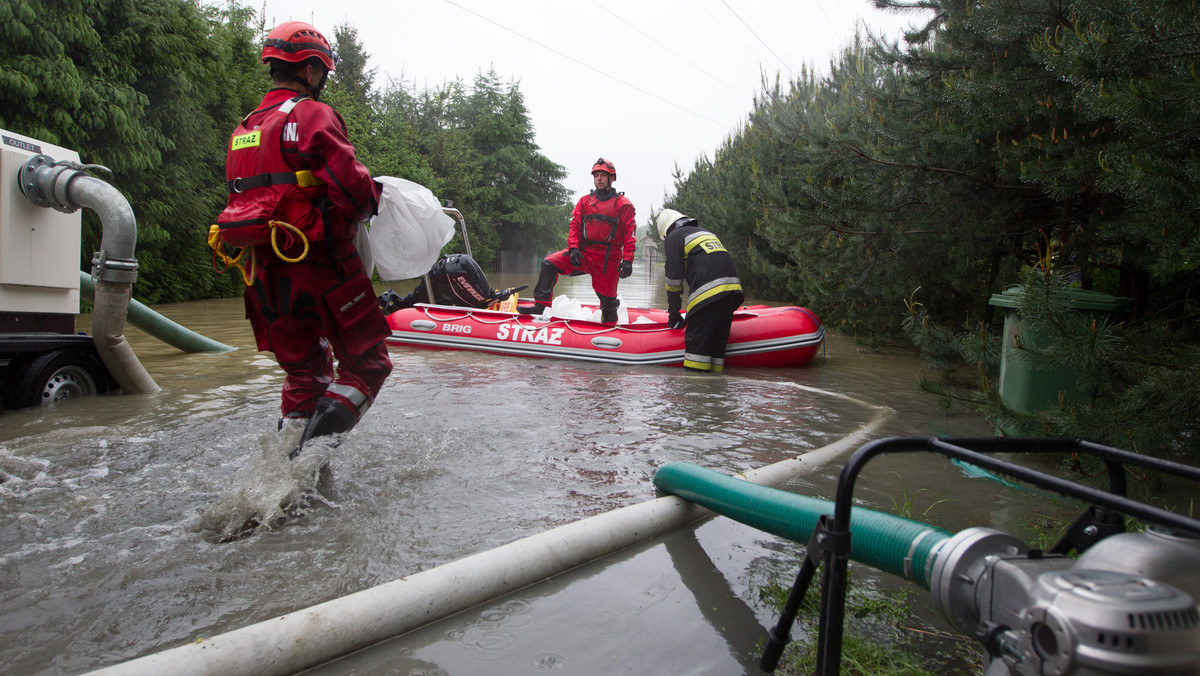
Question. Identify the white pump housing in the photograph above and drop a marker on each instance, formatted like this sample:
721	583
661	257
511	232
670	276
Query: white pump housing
39	248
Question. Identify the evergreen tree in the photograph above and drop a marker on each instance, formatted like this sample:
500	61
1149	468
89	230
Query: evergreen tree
1105	129
397	145
526	205
350	91
352	80
134	86
50	92
454	167
1005	138
178	53
377	123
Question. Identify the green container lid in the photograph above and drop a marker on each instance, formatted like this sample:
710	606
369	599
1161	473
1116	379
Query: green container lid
1077	299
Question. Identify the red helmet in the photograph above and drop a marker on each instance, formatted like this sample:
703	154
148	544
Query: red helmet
605	166
295	41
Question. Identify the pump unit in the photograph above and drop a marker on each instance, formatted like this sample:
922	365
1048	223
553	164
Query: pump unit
1128	605
42	359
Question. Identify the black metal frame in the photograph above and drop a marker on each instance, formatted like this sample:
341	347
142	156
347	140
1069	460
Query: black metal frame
830	542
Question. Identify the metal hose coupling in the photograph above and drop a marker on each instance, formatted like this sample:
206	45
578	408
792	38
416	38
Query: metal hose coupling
67	186
44	181
105	269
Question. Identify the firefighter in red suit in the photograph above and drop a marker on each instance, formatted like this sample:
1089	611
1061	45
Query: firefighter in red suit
296	196
600	242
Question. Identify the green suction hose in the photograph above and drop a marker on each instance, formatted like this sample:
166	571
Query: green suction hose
889	543
157	325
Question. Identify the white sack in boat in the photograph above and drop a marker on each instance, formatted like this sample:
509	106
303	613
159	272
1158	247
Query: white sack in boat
564	307
408	233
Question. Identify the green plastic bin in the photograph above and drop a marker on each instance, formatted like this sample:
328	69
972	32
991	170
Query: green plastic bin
1024	388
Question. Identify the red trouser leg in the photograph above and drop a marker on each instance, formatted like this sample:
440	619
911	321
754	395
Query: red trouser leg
605	271
309	313
309	369
552	266
360	377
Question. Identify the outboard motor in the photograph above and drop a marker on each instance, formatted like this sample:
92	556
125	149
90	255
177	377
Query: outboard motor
455	280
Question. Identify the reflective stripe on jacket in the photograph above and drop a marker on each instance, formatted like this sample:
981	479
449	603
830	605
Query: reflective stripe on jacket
696	256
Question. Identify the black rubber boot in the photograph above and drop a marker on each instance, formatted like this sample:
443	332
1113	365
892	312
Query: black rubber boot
547	278
608	309
544	291
331	417
292	420
390	301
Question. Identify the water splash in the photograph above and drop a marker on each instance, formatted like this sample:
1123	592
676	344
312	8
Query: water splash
15	469
269	487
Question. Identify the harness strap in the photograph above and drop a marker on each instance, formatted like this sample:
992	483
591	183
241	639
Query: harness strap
601	217
304	179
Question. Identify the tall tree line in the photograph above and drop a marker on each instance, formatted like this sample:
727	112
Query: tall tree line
471	145
147	89
1050	144
151	89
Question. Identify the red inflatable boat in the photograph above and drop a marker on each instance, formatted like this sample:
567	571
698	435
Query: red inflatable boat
760	335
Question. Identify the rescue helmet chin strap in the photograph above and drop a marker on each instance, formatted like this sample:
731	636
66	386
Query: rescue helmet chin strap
316	93
292	71
313	92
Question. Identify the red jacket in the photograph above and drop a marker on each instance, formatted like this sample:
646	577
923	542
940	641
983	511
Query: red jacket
608	223
286	134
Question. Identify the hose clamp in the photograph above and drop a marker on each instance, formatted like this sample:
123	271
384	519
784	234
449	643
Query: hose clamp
909	571
114	270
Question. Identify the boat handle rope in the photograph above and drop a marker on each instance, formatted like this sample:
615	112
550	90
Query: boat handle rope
470	314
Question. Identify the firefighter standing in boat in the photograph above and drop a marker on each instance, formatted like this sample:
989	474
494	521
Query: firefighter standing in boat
696	255
600	242
296	195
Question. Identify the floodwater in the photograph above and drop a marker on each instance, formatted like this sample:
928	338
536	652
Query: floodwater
107	549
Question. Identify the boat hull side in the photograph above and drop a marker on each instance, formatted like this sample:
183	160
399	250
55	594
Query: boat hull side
759	337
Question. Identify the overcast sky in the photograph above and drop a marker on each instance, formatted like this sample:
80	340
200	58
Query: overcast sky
647	84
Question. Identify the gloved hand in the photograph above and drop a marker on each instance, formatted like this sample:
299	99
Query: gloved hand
675	320
576	257
626	269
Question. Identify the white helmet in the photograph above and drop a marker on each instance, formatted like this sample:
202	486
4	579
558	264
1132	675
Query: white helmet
665	220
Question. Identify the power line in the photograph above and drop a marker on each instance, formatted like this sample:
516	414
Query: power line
756	35
722	26
588	66
673	52
825	14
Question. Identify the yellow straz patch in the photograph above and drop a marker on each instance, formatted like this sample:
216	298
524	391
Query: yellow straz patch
708	243
249	140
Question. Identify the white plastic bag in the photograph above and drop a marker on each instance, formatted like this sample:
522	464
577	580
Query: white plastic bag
565	307
408	233
362	242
